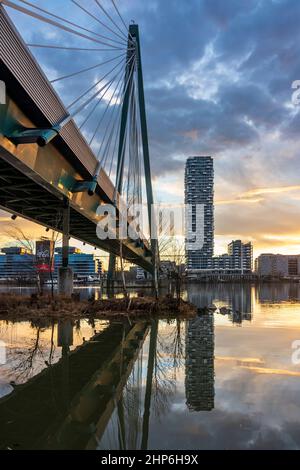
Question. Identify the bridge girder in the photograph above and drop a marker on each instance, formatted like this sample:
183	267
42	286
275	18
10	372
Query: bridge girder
32	174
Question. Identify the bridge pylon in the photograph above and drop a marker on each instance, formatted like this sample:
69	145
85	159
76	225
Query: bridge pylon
134	47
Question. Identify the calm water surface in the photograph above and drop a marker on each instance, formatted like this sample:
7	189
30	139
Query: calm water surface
222	381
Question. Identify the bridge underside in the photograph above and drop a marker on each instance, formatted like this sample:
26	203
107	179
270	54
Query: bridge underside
24	197
34	180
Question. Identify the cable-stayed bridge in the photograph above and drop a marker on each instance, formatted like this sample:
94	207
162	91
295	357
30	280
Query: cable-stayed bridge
64	138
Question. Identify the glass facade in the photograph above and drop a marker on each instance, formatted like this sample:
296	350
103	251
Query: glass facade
83	264
17	263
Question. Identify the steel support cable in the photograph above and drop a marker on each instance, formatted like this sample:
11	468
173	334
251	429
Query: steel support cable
110	18
138	179
122	165
114	152
86	49
93	67
86	103
108	125
104	89
30	13
82	28
109	141
108	145
100	122
120	16
86	92
100	99
115	147
135	163
136	170
127	181
124	143
139	147
123	37
131	151
119	122
140	171
129	137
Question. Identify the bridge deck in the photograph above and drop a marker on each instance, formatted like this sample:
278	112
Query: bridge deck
34	180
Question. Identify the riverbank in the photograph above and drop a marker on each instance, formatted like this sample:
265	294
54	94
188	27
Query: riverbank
22	308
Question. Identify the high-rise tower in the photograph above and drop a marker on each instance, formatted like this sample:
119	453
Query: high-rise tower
199	191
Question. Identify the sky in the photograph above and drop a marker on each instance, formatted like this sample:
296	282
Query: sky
218	80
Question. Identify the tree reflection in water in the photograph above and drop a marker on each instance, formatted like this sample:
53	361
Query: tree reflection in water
150	388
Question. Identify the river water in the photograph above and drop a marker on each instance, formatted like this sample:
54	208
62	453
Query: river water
228	380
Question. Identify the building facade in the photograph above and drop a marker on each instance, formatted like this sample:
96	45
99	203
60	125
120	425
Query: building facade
241	255
239	258
199	191
277	265
16	263
19	263
82	264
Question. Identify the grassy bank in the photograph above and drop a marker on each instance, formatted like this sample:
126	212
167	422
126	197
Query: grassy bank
19	308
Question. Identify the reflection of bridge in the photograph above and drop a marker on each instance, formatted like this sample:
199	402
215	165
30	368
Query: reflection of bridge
68	405
49	173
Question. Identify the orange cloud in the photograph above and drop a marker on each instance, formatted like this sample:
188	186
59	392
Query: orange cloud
238	201
250	197
193	134
261	191
267	371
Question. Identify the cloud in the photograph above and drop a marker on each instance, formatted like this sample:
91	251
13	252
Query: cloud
250	197
218	80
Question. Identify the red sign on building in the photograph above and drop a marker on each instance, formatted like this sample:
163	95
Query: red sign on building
45	256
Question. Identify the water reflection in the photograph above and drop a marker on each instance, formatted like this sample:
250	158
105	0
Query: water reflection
278	292
158	385
199	368
232	300
68	403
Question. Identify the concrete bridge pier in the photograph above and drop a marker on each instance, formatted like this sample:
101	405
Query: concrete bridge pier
65	273
65	281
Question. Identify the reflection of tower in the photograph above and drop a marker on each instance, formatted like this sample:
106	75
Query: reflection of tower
201	296
241	304
199	367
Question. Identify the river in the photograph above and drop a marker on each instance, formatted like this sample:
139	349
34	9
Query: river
228	380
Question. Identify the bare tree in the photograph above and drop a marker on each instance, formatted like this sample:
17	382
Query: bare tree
173	249
29	358
23	240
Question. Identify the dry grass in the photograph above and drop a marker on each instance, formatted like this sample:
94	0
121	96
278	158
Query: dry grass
17	308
